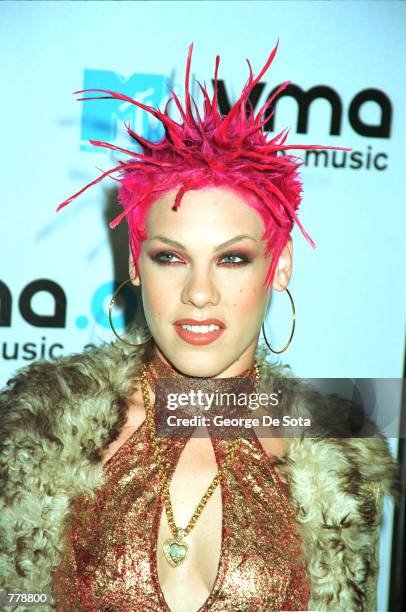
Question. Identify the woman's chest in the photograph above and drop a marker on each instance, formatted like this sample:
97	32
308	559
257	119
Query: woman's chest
189	585
242	544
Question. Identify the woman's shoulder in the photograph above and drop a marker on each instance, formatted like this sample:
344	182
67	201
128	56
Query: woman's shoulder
335	442
109	366
83	371
77	402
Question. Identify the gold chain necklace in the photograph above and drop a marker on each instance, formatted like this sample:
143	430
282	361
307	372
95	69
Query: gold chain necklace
176	549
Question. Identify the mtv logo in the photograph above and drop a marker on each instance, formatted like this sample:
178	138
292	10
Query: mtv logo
100	118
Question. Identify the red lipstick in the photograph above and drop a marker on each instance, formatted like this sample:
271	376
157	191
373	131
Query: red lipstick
199	338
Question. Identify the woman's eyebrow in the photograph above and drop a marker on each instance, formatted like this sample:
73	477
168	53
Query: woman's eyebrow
179	245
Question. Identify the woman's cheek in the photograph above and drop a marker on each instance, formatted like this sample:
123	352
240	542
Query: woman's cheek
249	298
156	287
153	299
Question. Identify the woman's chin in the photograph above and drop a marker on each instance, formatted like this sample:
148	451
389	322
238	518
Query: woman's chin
197	364
201	372
198	361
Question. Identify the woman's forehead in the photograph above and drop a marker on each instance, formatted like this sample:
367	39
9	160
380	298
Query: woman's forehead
216	211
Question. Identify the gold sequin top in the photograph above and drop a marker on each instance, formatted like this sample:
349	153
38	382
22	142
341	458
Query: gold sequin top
109	561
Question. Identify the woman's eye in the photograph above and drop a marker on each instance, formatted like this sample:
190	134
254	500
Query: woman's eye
228	259
235	259
166	257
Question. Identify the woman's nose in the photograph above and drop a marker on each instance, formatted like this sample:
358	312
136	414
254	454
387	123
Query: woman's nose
200	289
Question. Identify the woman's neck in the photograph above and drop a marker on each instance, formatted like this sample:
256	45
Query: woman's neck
164	368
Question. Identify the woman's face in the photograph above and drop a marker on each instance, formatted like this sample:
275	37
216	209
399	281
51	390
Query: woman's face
202	272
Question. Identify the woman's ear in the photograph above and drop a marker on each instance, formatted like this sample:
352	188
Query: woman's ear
284	267
135	279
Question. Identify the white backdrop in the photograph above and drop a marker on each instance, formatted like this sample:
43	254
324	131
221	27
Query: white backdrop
349	292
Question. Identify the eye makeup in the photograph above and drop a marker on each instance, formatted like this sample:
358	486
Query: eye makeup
235	258
166	258
243	257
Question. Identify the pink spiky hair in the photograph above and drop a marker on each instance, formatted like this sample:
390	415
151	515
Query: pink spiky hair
229	151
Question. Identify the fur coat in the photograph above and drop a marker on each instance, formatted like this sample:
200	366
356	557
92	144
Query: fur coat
57	417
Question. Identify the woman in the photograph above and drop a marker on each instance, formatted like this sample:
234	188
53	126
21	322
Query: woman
103	514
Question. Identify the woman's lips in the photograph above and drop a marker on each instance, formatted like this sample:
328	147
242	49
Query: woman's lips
205	335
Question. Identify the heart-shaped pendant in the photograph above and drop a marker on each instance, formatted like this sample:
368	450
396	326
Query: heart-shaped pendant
175	551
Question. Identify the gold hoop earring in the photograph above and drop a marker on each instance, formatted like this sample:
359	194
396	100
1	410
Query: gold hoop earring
112	301
291	333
